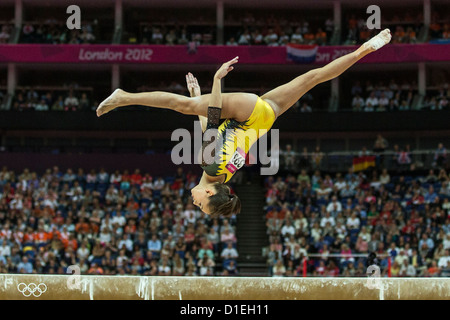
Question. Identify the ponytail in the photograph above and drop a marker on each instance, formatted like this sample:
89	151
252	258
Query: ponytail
223	203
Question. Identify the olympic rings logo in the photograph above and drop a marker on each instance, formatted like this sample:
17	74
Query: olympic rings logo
32	289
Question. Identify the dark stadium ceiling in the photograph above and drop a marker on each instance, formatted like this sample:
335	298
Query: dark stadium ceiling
234	3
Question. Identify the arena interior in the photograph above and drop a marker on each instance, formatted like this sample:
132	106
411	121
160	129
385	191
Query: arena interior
363	164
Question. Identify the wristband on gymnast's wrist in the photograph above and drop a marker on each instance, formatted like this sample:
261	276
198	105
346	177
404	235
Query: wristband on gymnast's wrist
213	117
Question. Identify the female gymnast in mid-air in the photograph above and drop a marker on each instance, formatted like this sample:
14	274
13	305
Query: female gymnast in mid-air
242	111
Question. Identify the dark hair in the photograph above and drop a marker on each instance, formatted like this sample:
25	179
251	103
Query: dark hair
223	203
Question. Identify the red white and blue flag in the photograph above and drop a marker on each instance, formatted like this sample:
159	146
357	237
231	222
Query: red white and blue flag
301	53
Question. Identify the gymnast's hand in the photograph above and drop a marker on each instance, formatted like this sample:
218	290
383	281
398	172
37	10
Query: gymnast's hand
225	68
192	85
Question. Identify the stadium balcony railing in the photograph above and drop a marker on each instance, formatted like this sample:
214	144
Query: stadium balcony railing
341	161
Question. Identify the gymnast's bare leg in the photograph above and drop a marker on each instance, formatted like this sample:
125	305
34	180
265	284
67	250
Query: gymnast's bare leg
239	106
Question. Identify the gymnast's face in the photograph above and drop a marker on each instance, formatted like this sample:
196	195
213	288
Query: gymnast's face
200	196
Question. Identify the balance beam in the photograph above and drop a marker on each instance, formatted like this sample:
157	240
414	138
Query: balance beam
85	287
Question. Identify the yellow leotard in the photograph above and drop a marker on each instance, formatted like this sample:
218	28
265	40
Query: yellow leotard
237	138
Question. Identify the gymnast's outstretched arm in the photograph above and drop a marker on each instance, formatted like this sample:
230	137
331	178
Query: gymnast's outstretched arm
195	91
215	99
216	92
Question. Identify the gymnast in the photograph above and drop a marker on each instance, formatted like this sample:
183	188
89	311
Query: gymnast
241	111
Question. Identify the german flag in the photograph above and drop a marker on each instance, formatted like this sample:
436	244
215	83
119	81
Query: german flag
362	163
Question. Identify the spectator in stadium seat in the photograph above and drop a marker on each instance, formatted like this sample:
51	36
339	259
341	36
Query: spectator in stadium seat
334	207
407	270
279	270
126	243
288	158
443	103
433	270
287	230
164	268
258	38
271	39
372	100
41	106
5	249
178	268
157	36
297	37
316	157
25	266
440	155
95	269
426	240
446	241
5	34
339	183
332	269
226	225
316	232
353	222
118	218
71	102
227	236
444	260
232	42
381	144
404	157
86	36
245	38
401	257
321	37
395	269
84	104
206	266
445	271
171	37
327	222
431	196
385	178
154	245
321	269
229	253
102	176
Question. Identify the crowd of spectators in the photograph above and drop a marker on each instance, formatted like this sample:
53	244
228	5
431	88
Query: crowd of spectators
245	29
437	99
439	27
67	99
110	223
382	96
440	31
395	157
56	32
332	222
393	96
404	28
175	35
280	32
273	30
